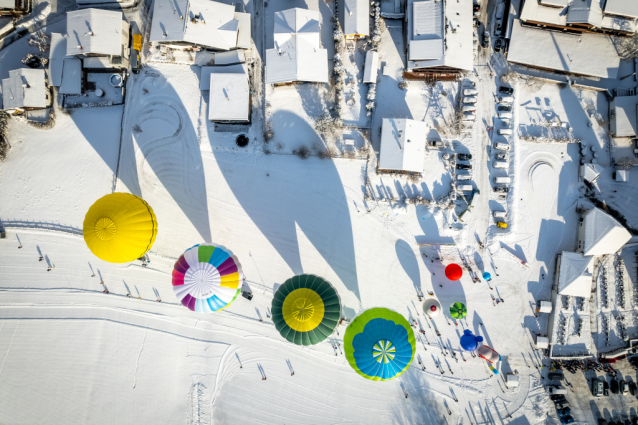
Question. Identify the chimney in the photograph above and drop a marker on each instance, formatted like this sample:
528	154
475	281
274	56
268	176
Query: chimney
91	33
80	47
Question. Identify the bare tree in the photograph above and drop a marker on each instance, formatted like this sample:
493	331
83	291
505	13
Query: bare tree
626	163
627	46
303	152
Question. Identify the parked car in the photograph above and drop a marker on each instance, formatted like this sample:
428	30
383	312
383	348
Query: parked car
598	388
504	131
500	156
469	99
477	10
464	177
498	30
506	99
469	116
463	167
555	376
505	90
470	92
500	164
632	388
469	108
561	405
557	398
556	389
614	386
504	108
502	180
464	156
499	214
502	189
486	40
464	188
501	146
505	115
566	420
435	143
498	45
624	387
501	224
564	412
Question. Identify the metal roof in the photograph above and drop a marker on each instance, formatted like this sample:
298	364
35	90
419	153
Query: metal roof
355	17
229	97
7	4
297	55
564	52
624	120
371	67
202	22
628	8
585	12
24	88
603	233
575	275
94	31
402	144
71	76
206	71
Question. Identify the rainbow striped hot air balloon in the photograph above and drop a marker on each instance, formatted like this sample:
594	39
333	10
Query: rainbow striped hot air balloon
207	278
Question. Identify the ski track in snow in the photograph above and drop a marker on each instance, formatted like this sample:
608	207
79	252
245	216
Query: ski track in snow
137	364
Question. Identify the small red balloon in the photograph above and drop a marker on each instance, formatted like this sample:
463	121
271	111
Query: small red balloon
453	271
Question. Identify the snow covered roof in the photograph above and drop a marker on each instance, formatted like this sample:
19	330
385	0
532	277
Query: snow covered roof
628	8
7	4
24	88
582	13
575	275
94	31
57	52
564	52
622	175
542	342
427	35
204	79
585	12
355	17
204	23
297	55
402	144
603	233
590	172
625	116
71	81
231	57
545	307
371	67
554	3
229	97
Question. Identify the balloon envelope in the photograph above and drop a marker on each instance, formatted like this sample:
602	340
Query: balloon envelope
469	342
453	271
306	309
207	278
379	344
119	228
458	310
431	307
487	276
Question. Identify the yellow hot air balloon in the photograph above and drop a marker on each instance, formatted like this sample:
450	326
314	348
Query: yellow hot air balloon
119	228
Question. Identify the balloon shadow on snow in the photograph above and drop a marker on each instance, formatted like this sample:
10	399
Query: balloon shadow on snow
281	193
160	142
408	261
422	405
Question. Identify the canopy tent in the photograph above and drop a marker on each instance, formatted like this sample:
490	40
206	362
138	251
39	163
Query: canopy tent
603	233
306	309
207	278
542	342
431	307
575	274
544	307
119	228
512	380
379	344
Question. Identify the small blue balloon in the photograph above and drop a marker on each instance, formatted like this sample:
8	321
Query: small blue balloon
487	276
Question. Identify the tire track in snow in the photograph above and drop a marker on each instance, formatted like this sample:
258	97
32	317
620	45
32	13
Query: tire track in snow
137	364
10	345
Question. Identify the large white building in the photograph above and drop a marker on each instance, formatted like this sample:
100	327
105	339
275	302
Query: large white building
402	145
575	275
297	55
200	23
25	89
99	37
439	36
601	234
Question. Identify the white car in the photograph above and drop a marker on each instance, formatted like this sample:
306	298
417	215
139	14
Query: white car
502	180
501	146
504	131
464	187
468	116
500	164
506	99
505	115
500	214
468	108
463	177
470	92
469	99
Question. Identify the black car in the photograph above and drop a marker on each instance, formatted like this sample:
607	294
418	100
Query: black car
486	40
505	90
500	156
503	189
504	108
555	376
464	156
557	398
477	9
614	386
632	388
463	167
498	45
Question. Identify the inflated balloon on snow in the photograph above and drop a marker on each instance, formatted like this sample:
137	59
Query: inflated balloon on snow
431	307
458	310
119	228
469	341
487	276
453	272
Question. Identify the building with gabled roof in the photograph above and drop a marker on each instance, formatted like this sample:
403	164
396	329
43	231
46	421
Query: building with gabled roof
402	145
575	275
354	17
25	89
200	23
99	37
440	37
600	234
297	55
590	172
